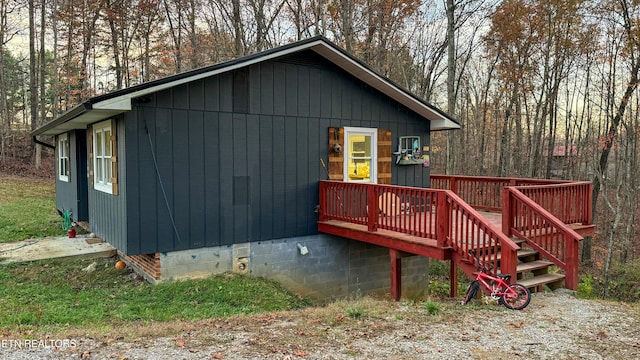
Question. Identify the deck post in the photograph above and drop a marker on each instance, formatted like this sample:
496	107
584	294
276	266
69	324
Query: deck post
507	216
571	272
453	279
396	274
372	206
508	262
589	205
323	202
443	212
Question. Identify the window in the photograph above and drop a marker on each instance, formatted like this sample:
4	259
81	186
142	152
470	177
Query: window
409	146
360	154
63	157
103	164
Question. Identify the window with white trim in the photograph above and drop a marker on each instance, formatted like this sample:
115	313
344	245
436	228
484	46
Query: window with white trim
63	157
361	154
102	152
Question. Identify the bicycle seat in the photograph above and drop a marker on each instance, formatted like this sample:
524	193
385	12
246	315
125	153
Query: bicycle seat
504	276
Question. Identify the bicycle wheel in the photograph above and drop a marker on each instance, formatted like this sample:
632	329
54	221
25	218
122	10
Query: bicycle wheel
516	297
472	290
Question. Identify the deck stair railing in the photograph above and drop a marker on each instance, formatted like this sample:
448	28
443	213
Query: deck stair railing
470	230
544	213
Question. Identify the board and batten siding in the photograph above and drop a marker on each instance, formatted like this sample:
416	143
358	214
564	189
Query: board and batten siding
237	156
108	212
72	195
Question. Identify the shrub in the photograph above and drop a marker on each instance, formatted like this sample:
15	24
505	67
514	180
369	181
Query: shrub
432	307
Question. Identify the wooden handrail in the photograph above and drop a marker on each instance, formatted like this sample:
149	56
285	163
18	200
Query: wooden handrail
480	235
525	218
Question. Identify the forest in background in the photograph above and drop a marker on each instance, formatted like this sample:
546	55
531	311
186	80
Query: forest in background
542	88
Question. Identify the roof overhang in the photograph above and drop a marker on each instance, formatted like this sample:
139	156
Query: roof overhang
78	117
108	105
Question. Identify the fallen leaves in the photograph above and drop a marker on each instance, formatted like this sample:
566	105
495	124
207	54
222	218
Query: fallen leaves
517	325
180	342
300	353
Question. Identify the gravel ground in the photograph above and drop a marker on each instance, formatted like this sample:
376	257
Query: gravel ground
554	326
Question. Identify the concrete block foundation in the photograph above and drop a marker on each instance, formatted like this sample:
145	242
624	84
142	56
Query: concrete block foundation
322	267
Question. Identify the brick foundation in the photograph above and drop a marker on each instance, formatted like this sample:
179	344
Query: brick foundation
148	263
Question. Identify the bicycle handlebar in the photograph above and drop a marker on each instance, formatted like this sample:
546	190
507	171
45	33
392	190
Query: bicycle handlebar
481	266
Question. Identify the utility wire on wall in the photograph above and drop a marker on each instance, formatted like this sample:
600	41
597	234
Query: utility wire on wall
164	193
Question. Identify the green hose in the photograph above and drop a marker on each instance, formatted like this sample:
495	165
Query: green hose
66	220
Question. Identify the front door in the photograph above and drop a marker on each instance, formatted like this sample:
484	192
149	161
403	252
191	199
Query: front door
360	154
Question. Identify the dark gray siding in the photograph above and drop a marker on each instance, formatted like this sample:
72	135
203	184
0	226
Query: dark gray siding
107	212
66	192
232	177
72	195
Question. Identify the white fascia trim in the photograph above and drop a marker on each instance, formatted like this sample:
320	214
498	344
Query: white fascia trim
120	103
444	124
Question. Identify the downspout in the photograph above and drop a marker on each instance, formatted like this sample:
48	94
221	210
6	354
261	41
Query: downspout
35	140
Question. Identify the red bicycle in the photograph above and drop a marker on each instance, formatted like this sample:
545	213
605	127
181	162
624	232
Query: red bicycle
514	296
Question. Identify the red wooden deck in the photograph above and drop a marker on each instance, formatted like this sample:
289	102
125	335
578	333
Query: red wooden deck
400	241
445	224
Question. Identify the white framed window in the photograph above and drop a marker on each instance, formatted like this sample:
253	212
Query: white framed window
102	152
360	154
63	157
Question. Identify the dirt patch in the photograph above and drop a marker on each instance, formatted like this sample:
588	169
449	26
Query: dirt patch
555	325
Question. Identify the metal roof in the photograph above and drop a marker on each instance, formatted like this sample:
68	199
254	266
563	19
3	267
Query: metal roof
107	105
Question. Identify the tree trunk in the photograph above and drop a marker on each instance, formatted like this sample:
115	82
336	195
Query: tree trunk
451	79
33	84
238	28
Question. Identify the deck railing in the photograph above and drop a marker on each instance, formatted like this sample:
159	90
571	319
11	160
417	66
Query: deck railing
483	193
526	219
569	202
351	202
427	213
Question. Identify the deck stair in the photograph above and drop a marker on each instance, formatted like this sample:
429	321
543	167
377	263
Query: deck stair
532	271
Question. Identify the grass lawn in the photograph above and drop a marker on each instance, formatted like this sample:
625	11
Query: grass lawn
54	295
27	209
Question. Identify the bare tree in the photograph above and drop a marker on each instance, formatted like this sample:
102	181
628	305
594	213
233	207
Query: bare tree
629	13
7	32
33	85
265	12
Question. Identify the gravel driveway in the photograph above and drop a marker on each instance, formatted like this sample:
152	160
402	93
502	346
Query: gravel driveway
554	326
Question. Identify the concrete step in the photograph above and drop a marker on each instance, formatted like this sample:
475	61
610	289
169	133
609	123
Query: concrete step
55	248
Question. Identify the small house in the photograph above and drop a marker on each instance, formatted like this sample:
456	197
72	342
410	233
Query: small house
217	169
